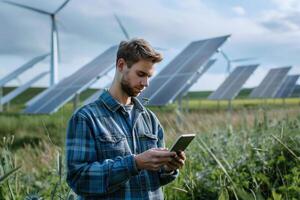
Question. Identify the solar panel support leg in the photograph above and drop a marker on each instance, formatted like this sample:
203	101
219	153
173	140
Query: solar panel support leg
76	101
179	117
180	103
1	95
7	106
187	104
230	110
283	102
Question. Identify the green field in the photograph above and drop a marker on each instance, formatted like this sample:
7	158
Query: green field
252	153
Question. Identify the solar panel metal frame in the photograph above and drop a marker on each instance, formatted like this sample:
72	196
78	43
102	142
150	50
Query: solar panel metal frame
194	79
13	94
80	80
22	69
194	55
287	87
232	85
275	78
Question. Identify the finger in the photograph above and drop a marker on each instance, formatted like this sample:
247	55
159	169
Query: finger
162	154
163	161
180	161
177	162
182	156
171	166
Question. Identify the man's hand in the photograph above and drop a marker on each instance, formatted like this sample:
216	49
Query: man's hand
176	163
153	159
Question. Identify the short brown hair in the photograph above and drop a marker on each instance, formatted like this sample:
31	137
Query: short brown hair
134	50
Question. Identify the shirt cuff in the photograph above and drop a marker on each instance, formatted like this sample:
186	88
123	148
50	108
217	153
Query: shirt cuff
131	165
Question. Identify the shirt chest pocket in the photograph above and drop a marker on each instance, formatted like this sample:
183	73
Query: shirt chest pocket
147	141
112	146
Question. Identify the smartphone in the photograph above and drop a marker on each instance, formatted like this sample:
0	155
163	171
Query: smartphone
182	142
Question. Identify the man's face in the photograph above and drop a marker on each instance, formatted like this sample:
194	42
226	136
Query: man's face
136	78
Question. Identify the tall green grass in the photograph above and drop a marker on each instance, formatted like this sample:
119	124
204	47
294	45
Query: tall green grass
257	160
250	154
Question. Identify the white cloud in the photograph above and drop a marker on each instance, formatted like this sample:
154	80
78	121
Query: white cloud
284	18
287	5
239	10
90	28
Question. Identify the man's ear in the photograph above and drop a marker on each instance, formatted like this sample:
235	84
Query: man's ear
121	64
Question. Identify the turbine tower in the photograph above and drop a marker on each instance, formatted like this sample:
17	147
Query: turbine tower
55	51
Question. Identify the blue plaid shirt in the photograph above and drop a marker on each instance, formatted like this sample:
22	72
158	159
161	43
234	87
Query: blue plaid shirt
100	147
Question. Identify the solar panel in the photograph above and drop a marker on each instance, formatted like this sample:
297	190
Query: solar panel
66	89
21	89
167	85
229	80
35	98
22	69
194	78
287	87
296	91
233	83
96	95
270	84
93	97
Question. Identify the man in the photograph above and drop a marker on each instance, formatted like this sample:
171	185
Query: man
115	146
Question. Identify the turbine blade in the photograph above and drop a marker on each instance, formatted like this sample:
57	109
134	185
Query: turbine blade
160	49
27	7
243	59
62	6
122	27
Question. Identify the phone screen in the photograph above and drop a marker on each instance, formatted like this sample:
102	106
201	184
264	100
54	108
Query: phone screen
182	142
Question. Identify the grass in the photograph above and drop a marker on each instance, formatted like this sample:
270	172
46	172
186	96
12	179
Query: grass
256	158
253	153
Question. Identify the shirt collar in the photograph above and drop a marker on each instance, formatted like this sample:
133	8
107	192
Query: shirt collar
114	105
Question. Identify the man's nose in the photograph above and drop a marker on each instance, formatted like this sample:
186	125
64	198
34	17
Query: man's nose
145	82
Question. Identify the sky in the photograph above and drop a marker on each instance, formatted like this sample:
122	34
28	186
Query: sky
266	30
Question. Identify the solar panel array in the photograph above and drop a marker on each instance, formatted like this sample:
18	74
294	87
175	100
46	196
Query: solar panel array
271	83
232	85
66	89
168	84
287	87
21	89
22	69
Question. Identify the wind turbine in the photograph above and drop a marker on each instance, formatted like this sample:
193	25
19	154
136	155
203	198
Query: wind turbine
230	61
55	51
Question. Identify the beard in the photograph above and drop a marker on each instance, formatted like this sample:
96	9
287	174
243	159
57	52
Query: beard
129	90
